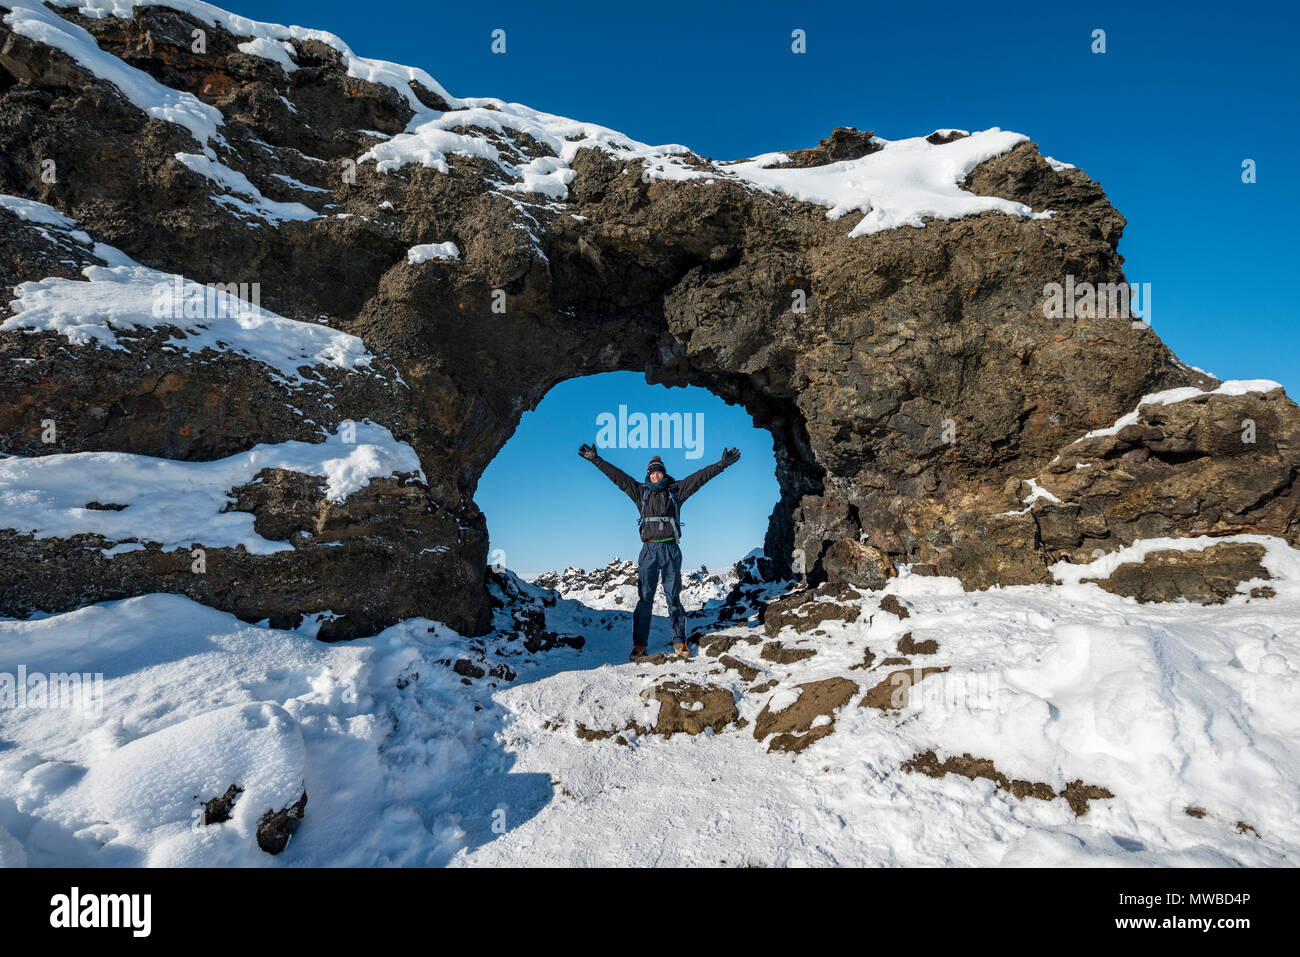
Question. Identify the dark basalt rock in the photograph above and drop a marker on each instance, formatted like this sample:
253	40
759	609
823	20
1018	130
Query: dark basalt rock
218	809
276	827
844	143
910	401
1210	576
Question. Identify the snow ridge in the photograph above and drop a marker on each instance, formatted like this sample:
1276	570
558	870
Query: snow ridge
179	504
903	183
123	295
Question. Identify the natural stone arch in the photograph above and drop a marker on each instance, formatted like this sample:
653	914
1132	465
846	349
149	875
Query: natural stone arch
904	333
909	335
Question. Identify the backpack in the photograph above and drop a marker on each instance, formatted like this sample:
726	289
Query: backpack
677	523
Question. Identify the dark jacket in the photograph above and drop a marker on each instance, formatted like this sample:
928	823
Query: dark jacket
658	502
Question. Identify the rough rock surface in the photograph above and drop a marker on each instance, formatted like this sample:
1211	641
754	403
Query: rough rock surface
908	404
891	693
688	708
861	565
1076	793
797	726
808	609
276	827
1209	576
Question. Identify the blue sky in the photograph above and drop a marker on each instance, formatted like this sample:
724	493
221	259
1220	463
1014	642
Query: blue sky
1163	120
548	508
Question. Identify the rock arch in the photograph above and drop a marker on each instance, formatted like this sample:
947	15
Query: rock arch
924	407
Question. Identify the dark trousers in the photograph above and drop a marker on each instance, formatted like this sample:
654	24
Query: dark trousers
659	560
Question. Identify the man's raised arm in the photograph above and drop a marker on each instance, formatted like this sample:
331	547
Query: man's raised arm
613	472
692	483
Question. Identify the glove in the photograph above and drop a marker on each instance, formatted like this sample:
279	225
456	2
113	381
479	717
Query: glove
587	452
730	457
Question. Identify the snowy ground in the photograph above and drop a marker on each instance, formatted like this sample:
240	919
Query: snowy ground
404	762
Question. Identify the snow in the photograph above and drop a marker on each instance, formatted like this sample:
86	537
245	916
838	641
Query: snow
248	198
197	700
122	296
376	71
1275	561
615	586
783	698
148	789
1169	396
1168	706
423	253
35	21
268	49
902	184
34	212
298	184
1036	492
178	504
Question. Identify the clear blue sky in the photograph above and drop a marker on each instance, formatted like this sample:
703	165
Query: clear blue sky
548	508
1163	120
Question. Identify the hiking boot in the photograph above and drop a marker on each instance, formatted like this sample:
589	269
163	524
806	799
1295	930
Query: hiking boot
638	652
682	650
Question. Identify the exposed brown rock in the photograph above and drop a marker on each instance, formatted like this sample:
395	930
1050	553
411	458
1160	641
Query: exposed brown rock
747	672
844	143
792	726
468	669
688	708
908	646
1076	793
1208	465
803	611
891	604
967	766
684	708
218	809
715	646
597	734
777	652
1209	576
891	693
868	659
851	561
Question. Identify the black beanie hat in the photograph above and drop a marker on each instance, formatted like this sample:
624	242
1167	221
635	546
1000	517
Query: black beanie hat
656	465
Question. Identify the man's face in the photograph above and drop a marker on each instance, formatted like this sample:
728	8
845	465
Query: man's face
656	477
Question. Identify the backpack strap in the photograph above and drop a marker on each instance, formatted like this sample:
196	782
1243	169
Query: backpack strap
674	519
